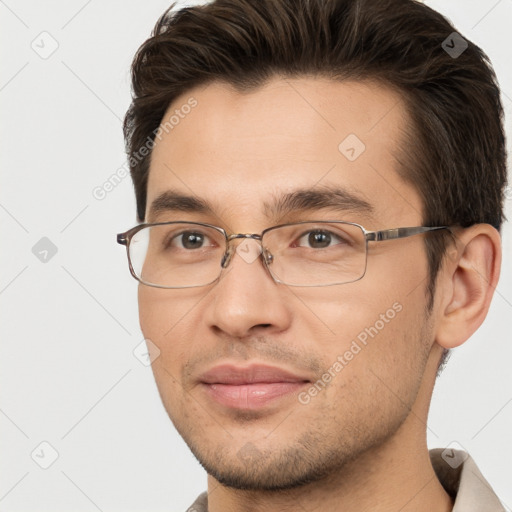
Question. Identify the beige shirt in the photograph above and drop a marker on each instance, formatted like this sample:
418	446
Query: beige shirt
458	474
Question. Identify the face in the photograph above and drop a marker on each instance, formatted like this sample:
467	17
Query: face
271	385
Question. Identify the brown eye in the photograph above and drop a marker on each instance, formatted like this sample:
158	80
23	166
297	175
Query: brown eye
319	239
190	240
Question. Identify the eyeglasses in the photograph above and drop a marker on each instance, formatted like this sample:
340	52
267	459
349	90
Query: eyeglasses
313	253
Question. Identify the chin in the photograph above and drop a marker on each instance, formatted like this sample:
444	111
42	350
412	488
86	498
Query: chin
251	469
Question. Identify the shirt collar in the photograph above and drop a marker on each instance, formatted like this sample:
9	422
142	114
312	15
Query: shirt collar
463	481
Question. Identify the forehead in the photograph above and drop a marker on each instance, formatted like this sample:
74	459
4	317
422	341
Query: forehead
241	150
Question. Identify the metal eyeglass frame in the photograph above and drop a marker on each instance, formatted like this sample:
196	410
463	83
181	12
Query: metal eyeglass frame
370	236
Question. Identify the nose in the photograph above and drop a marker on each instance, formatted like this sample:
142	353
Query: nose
246	301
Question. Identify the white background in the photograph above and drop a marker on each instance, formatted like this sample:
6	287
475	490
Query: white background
69	326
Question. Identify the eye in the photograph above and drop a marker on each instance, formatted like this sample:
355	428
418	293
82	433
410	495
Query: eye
319	239
191	240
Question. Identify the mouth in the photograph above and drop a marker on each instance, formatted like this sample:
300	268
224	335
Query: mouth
252	387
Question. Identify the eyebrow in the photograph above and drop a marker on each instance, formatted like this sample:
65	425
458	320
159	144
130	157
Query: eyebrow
319	198
171	201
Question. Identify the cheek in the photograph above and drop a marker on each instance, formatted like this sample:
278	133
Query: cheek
337	316
162	316
392	361
370	334
374	382
166	318
153	314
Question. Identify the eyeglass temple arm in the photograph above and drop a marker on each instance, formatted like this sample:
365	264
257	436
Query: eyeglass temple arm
392	234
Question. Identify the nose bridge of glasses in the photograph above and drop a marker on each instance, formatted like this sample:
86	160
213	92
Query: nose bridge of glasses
231	249
253	236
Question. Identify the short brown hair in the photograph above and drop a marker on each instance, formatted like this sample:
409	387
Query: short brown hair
454	153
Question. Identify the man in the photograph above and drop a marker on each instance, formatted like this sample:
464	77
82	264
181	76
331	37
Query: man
275	147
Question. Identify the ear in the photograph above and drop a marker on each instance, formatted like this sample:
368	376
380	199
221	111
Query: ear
467	282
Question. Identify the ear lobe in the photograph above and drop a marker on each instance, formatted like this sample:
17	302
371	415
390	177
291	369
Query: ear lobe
469	279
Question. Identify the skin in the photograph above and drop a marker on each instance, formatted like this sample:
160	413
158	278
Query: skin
367	429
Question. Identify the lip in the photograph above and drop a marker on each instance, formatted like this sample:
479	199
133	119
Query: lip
251	387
